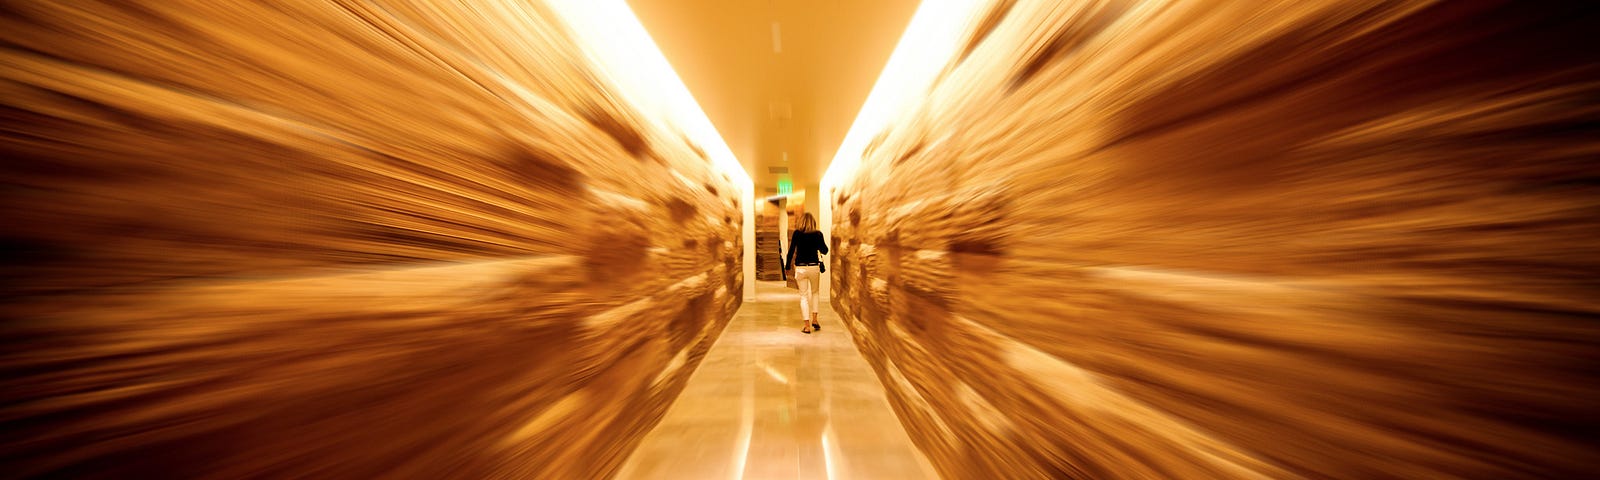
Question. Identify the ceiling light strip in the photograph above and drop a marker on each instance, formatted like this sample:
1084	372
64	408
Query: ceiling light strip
929	42
618	43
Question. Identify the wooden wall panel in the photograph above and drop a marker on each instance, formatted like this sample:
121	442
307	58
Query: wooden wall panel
1212	239
315	239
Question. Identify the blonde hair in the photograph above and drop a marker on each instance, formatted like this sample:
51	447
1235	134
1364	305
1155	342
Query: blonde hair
808	223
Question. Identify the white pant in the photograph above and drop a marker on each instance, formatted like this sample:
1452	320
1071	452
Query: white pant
806	277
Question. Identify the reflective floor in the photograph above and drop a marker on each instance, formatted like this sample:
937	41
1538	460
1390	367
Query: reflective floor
770	402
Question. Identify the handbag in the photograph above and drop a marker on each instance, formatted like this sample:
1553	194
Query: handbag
789	281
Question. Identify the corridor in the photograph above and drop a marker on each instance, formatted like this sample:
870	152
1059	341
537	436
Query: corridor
544	239
769	402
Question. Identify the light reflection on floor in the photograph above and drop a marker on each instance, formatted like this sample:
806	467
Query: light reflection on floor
769	402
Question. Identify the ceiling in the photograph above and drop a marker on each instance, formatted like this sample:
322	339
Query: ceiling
778	78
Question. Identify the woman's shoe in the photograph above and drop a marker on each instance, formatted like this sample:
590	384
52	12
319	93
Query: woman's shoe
816	327
806	330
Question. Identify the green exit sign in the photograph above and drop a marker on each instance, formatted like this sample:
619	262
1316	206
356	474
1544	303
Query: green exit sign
785	186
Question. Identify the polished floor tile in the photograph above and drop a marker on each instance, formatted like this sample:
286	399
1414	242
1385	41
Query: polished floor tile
769	402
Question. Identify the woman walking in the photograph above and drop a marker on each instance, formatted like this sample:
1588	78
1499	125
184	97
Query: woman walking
804	245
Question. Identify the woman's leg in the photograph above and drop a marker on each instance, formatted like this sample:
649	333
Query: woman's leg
804	276
816	284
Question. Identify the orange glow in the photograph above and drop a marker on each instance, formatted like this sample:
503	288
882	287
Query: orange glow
1096	239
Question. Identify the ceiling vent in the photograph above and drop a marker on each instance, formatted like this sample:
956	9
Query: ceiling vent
778	111
777	169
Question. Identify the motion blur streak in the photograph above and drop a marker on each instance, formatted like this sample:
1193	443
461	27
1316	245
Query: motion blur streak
319	239
1090	239
1221	239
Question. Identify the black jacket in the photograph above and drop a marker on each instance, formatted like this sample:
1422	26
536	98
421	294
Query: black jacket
803	248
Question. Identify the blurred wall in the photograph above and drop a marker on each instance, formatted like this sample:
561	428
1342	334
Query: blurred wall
1213	239
308	239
